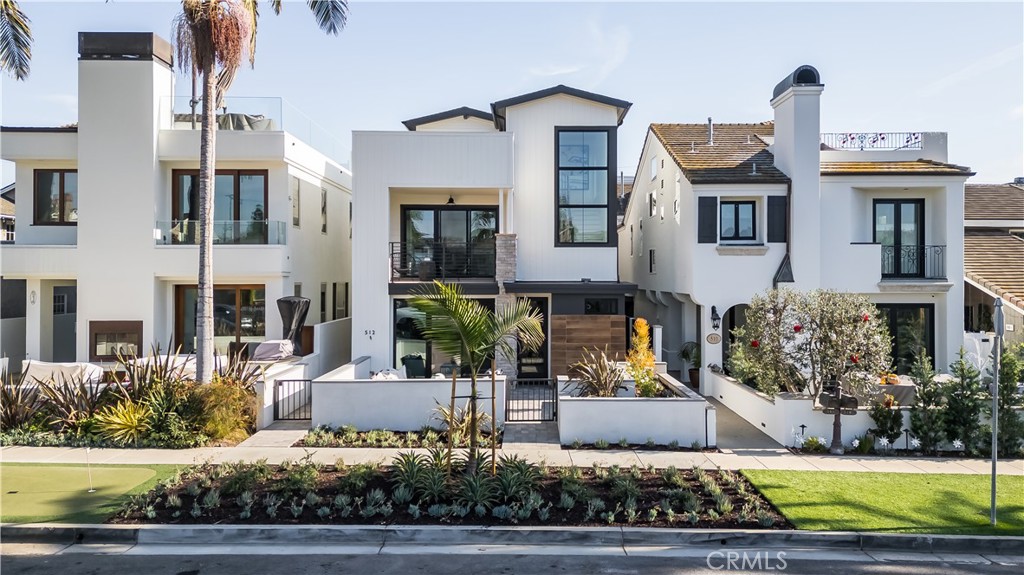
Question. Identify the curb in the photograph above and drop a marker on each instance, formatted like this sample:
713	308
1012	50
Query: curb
380	535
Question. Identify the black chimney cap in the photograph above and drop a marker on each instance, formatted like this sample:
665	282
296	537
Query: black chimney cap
124	46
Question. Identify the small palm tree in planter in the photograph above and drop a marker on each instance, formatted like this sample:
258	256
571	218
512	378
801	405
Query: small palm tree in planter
461	327
690	353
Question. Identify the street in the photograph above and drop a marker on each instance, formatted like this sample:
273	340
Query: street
292	561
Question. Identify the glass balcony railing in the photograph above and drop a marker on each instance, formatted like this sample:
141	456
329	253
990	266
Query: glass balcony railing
238	232
242	113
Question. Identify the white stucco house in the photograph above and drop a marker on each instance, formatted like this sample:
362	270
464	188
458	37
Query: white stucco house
721	212
518	201
107	208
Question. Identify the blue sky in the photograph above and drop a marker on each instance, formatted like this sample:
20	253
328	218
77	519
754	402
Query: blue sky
957	68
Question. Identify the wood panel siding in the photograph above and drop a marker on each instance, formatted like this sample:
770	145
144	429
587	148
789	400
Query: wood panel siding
571	333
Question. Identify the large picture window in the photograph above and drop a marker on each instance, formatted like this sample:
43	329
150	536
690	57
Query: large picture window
239	317
239	207
412	349
912	327
585	161
56	198
738	221
110	339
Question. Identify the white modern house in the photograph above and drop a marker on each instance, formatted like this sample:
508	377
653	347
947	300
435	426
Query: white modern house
108	210
519	201
721	212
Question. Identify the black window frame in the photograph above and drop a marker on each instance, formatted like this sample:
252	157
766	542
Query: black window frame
323	210
735	204
610	166
896	204
297	203
888	312
652	267
60	198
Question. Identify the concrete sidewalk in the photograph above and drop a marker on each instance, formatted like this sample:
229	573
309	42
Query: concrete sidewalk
736	459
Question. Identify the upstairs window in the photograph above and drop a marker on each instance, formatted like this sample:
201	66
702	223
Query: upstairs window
296	202
56	198
652	265
653	204
585	164
738	221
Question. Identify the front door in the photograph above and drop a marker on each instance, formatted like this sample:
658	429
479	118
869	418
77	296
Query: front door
899	227
534	364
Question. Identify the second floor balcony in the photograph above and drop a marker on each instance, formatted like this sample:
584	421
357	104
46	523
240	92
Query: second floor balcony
442	260
233	232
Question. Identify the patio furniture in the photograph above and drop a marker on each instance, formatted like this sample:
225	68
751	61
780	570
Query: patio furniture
71	372
414	366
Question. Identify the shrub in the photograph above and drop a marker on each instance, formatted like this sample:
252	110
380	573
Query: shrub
888	420
963	404
18	401
228	410
124	423
596	375
815	445
71	401
1011	423
926	421
640	360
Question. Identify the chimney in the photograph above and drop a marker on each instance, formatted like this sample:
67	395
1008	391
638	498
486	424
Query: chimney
797	152
711	132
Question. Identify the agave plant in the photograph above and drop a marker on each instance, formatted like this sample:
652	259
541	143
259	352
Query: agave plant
596	375
459	423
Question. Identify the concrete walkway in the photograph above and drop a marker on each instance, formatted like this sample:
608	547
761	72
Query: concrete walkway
747	459
737	435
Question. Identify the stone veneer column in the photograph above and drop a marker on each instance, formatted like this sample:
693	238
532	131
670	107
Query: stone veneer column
505	271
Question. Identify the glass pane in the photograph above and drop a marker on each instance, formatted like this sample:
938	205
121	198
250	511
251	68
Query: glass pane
252	211
223	198
582	149
410	345
419	226
113	344
71	196
910	226
728	220
911	329
885	224
252	324
583	225
188	197
589	187
746	223
225	319
483	224
454	226
47	197
188	312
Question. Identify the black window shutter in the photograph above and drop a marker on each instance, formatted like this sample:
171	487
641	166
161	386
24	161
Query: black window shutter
777	215
707	220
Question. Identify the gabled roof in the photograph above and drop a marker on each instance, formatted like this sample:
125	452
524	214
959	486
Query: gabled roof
995	260
993	202
498	108
463	112
7	200
911	168
730	159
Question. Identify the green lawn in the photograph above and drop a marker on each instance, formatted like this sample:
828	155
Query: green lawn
57	493
893	502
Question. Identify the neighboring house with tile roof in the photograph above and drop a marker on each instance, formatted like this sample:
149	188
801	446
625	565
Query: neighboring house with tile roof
721	212
994	256
7	213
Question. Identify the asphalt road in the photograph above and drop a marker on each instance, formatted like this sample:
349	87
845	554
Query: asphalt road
441	564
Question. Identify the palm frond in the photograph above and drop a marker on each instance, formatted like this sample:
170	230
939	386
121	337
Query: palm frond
456	325
331	15
15	40
276	4
521	321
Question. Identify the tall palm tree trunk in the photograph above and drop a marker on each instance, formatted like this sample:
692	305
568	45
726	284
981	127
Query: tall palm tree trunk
207	149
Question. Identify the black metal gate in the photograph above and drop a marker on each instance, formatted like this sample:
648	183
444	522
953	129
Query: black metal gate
532	400
293	399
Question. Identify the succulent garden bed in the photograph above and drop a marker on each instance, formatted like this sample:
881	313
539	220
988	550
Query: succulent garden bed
347	436
650	445
416	489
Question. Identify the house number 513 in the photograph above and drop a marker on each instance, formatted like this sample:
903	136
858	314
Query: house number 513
369	333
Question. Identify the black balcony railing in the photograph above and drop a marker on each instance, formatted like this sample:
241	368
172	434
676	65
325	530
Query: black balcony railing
920	262
429	260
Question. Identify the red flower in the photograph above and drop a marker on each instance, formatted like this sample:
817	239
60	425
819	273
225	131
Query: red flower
797	328
867	317
854	358
755	343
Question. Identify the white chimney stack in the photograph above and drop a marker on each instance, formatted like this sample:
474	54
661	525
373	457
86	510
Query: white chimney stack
797	150
711	132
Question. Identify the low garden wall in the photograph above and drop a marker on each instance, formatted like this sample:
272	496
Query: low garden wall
683	419
780	417
394	404
265	389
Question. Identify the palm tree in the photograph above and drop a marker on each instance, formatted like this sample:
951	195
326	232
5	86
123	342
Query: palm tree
460	326
15	40
214	35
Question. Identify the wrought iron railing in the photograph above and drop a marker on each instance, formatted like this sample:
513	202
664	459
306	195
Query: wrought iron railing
872	140
429	260
258	232
921	262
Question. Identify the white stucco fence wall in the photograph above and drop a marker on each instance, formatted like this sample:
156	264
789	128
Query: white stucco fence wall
781	417
265	389
394	404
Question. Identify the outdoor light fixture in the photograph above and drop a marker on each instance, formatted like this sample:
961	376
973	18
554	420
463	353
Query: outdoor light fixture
32	297
716	320
451	200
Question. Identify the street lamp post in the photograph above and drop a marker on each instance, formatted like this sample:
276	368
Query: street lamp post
997	353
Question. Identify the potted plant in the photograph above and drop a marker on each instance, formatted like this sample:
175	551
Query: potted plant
690	353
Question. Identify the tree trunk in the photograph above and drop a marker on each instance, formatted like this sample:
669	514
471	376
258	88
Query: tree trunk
451	425
473	431
207	149
494	419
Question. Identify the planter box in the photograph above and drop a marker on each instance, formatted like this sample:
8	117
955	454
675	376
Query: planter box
637	419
